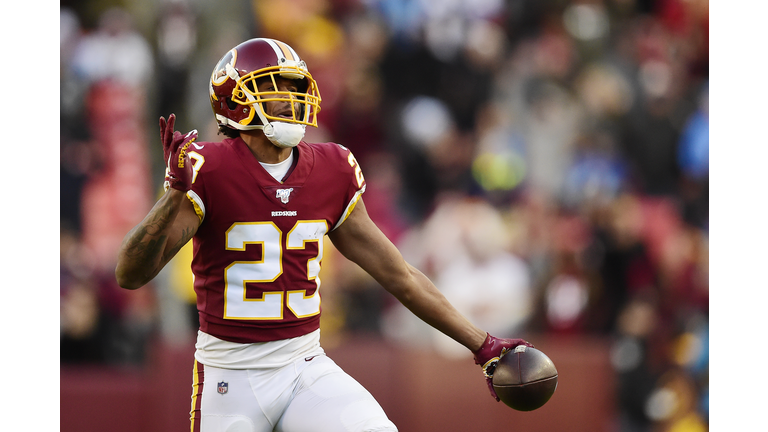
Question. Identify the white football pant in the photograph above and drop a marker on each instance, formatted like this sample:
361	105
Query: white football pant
312	394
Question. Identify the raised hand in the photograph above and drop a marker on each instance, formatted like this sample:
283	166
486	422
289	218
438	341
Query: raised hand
178	171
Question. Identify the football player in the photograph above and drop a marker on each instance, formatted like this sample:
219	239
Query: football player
257	206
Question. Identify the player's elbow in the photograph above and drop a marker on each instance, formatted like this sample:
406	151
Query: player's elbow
127	280
128	283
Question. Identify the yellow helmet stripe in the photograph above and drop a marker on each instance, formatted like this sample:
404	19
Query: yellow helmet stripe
287	51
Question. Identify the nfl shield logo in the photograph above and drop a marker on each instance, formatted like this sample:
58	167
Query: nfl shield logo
223	387
284	195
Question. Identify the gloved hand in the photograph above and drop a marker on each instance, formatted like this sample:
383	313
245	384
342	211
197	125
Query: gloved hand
178	171
489	354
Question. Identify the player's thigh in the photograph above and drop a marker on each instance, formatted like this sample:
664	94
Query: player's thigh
329	400
228	404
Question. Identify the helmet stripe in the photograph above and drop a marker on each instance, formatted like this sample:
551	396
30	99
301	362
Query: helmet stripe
287	51
275	47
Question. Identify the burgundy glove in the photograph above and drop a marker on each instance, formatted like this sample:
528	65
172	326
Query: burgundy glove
178	171
489	354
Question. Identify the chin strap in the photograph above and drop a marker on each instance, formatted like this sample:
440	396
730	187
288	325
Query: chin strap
285	135
281	134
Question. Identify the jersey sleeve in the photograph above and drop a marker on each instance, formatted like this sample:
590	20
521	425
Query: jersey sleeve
356	182
197	194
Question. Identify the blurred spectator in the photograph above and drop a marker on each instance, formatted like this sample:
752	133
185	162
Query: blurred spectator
98	322
115	51
176	43
499	166
79	160
569	290
636	358
693	160
693	156
81	334
597	174
622	259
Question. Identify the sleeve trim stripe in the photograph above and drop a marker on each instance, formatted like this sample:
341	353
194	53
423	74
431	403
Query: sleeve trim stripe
197	203
350	207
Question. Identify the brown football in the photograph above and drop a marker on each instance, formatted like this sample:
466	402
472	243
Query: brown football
525	379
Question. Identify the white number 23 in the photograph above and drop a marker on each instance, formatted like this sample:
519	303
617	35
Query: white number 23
269	268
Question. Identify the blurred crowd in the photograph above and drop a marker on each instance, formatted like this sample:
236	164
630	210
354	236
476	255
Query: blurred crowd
545	163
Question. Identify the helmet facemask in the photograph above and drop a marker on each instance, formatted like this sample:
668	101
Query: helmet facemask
304	105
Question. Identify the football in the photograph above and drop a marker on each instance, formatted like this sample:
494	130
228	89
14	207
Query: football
525	378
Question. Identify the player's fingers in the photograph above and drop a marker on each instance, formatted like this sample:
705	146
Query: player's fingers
163	131
163	128
169	129
181	140
191	135
176	140
493	391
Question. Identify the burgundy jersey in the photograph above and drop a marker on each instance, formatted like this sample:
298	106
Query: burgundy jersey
258	250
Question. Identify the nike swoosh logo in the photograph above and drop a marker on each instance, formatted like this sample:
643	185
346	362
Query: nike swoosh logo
199	147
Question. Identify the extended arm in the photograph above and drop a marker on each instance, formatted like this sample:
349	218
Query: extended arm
362	242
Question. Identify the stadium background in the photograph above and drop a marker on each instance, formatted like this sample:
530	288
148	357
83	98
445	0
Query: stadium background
546	163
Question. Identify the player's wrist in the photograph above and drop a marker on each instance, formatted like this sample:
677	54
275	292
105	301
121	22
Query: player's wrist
179	187
179	184
486	351
172	184
477	341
